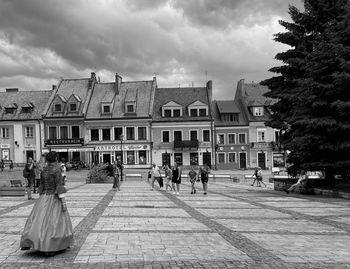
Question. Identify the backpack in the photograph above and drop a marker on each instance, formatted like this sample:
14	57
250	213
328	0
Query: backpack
25	172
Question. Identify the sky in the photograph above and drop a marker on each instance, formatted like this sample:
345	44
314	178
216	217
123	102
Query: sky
181	42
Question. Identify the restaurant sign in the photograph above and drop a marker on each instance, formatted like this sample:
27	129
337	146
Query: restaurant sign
125	147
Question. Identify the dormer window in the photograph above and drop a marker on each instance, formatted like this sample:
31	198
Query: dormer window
229	117
73	107
171	109
27	108
130	109
258	111
58	107
106	109
167	113
198	109
176	113
11	108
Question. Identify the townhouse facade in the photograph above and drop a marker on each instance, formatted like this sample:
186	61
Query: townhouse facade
182	126
21	125
231	133
64	119
263	151
118	122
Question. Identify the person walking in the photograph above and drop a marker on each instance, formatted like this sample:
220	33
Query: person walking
64	172
176	180
116	176
168	177
11	165
29	175
49	228
204	173
36	177
120	167
192	177
302	181
156	175
256	177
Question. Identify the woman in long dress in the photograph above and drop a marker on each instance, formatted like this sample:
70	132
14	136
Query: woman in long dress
48	227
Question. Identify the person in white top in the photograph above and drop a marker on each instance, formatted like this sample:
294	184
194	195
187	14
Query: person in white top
155	174
64	173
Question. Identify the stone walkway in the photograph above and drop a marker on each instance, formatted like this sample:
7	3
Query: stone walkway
234	226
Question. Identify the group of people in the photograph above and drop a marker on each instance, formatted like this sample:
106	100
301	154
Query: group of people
2	165
115	170
173	178
48	228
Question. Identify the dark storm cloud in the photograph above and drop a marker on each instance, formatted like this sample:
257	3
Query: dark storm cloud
136	38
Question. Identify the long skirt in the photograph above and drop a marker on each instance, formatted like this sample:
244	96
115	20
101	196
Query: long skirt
48	227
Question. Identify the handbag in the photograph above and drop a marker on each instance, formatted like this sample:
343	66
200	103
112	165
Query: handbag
25	172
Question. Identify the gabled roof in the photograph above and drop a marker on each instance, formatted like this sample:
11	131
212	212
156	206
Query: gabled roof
228	106
12	105
172	104
38	100
197	103
129	91
76	97
181	96
28	105
78	88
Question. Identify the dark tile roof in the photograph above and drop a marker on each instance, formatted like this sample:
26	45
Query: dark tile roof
251	95
36	99
67	88
227	106
182	96
139	91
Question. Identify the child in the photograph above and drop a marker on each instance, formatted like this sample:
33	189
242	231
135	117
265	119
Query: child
168	177
192	176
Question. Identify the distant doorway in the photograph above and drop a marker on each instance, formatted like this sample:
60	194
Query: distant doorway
242	160
106	158
166	159
207	158
29	154
262	160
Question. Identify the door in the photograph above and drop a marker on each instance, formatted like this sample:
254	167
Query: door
106	158
242	160
166	159
262	160
29	154
207	158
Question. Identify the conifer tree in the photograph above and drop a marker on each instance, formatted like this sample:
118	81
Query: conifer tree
313	87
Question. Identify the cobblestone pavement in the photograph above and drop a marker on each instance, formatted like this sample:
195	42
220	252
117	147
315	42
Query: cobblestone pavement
234	226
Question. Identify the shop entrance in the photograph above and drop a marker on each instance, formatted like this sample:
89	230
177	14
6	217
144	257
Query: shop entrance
63	156
166	159
29	154
207	158
106	158
262	160
242	160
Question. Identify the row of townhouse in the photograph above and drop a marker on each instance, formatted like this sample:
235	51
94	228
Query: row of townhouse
92	121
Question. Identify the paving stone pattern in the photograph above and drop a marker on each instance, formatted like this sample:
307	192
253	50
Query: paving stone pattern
234	226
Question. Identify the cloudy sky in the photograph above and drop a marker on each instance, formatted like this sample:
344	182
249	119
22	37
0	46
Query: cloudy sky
183	42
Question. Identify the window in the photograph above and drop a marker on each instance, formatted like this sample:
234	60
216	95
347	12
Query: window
202	112
106	134
94	134
142	135
75	132
167	113
241	139
130	133
58	107
177	136
5	132
194	158
261	136
232	138
29	132
193	135
63	132
221	139
206	135
178	158
106	109
221	157
194	112
176	113
165	137
52	132
277	137
142	157
9	110
118	131
73	107
130	108
231	157
130	157
258	111
230	117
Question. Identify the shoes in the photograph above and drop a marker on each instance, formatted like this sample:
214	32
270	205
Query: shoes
25	248
205	193
287	191
252	185
31	198
177	193
194	191
151	189
174	192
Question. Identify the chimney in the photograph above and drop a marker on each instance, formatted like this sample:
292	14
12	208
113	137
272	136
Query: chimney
12	90
118	82
210	90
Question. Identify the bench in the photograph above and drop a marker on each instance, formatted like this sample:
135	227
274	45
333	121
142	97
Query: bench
16	183
16	189
133	176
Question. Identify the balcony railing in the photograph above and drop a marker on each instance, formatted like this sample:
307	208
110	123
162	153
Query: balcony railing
186	144
64	141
